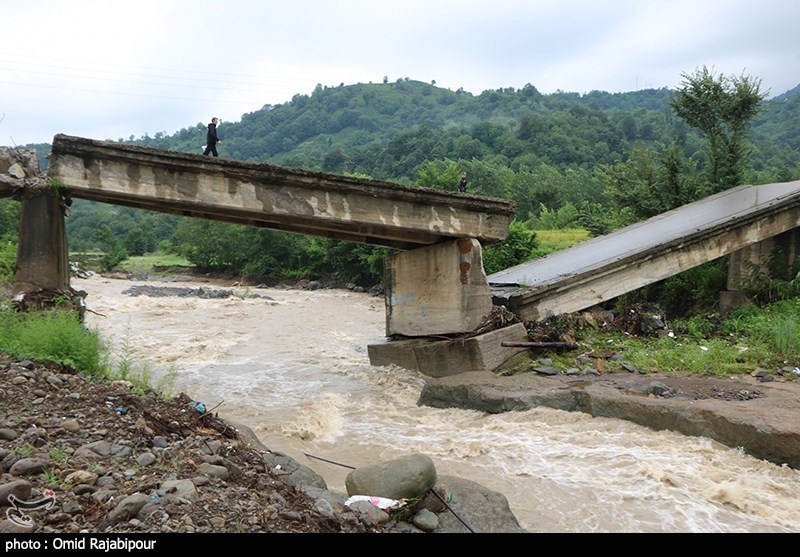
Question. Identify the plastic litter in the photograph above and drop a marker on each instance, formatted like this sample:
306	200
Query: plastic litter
199	406
380	502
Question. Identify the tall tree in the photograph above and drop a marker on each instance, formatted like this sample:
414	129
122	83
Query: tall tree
722	108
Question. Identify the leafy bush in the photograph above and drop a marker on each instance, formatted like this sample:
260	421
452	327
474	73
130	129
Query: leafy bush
8	256
518	247
54	335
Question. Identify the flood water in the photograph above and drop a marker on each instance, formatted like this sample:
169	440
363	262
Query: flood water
293	366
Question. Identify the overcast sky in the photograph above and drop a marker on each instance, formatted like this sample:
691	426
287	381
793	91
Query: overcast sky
111	69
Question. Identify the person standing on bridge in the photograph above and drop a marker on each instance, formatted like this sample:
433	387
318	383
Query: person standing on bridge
462	183
211	138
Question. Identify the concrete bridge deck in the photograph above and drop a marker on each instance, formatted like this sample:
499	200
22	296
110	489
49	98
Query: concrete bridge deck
608	266
291	200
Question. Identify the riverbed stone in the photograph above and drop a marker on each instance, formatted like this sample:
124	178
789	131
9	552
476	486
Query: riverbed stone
403	478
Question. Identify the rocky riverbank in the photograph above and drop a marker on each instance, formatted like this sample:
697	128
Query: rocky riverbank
81	456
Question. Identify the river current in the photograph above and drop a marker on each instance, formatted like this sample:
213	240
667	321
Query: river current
292	365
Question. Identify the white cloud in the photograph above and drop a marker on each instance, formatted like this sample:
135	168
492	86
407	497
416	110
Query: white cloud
109	70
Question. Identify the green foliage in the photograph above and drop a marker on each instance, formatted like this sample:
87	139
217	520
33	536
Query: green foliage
212	246
774	280
347	262
694	290
722	108
777	325
440	174
518	247
548	219
649	183
549	241
54	335
145	264
114	252
9	218
8	256
689	356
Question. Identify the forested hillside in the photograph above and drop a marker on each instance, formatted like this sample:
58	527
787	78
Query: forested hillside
597	161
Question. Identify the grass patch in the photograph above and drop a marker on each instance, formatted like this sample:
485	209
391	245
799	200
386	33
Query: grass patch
59	336
144	264
750	338
554	240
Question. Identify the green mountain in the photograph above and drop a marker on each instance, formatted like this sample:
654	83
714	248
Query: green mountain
389	130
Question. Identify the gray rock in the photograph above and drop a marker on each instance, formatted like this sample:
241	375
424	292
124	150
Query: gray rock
366	509
105	481
11	527
121	451
20	489
103	495
292	472
146	459
426	521
324	508
184	489
402	478
72	507
101	448
659	389
82	489
71	425
214	471
8	434
126	509
29	466
473	507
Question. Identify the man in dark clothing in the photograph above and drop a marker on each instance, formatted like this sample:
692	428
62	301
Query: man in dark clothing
211	138
462	183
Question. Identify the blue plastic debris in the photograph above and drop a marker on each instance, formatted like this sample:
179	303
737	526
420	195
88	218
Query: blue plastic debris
120	410
199	406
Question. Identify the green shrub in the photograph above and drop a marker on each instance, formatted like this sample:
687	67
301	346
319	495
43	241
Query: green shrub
54	335
8	256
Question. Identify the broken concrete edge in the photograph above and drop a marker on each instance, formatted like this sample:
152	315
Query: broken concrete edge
435	357
20	177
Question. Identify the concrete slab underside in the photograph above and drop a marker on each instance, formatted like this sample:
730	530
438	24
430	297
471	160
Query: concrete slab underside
442	358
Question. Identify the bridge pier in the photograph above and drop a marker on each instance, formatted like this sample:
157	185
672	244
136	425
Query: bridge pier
41	271
436	290
42	255
435	298
757	263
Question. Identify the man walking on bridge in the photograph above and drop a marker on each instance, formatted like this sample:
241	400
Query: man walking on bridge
462	183
211	138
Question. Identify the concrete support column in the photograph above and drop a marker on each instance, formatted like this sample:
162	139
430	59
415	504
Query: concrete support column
436	290
761	259
42	256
